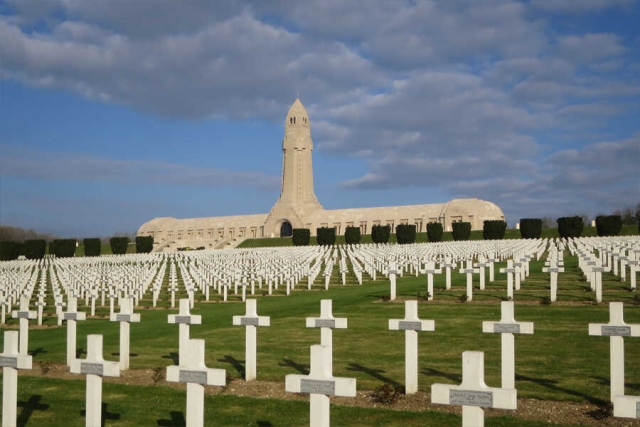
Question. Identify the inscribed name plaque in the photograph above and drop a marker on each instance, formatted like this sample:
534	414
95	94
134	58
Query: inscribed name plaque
327	388
638	410
483	399
71	316
409	326
616	331
506	328
123	318
23	315
325	323
249	321
91	368
183	319
8	362
197	377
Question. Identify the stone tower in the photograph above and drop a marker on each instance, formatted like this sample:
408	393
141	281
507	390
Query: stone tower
297	198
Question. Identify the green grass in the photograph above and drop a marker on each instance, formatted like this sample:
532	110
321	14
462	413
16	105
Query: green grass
559	362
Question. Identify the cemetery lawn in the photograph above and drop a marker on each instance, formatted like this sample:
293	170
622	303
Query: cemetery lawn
560	364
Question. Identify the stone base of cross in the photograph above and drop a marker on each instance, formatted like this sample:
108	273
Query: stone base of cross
321	385
626	407
473	394
192	370
11	360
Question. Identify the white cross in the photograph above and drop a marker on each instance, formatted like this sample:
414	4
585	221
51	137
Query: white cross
392	272
40	303
616	329
251	320
24	315
448	265
510	271
473	394
430	269
320	384
411	325
469	270
193	371
184	318
71	316
326	322
11	360
506	327
481	264
553	270
125	317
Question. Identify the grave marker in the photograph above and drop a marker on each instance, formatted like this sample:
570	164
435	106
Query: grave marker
125	317
24	315
11	360
72	315
184	318
326	322
251	320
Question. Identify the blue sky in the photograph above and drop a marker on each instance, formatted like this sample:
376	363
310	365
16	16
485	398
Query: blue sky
115	112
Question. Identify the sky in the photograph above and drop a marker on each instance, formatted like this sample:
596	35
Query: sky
114	112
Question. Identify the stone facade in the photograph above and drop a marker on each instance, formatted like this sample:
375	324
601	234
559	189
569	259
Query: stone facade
298	206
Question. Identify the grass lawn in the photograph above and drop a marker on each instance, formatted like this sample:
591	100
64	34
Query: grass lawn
559	362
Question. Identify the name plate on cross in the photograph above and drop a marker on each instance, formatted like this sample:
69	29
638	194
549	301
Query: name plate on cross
638	410
183	319
483	399
249	321
70	316
616	331
325	323
8	362
196	377
23	315
327	388
123	317
91	368
403	325
506	328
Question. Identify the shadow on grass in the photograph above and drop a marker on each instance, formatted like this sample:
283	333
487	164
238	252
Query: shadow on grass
262	423
375	373
177	420
303	369
173	356
237	364
80	352
551	385
37	351
117	354
455	378
28	407
106	415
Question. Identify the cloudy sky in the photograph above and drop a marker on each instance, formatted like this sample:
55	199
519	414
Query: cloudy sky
113	112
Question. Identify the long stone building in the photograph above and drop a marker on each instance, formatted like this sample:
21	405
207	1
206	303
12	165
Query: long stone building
298	206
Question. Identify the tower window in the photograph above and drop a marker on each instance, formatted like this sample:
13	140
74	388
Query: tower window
290	120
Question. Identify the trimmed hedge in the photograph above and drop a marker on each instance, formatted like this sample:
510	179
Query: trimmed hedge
405	233
434	231
34	249
119	245
608	225
493	229
570	226
144	244
531	228
9	251
92	246
301	236
63	248
352	235
380	233
461	230
326	236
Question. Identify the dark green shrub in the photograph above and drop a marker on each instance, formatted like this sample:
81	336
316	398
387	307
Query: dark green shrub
608	225
326	236
570	226
92	246
380	233
63	248
434	231
144	244
494	229
34	249
119	245
301	236
461	230
352	235
9	251
531	228
405	233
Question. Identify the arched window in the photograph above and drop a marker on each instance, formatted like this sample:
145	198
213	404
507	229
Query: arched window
286	230
290	120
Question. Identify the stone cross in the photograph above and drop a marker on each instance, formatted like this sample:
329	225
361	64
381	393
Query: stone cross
430	269
510	270
506	327
94	367
473	394
481	264
3	309
321	385
251	320
469	270
392	272
193	371
616	330
24	315
125	317
72	315
553	270
184	318
11	360
448	265
411	325
40	303
326	322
